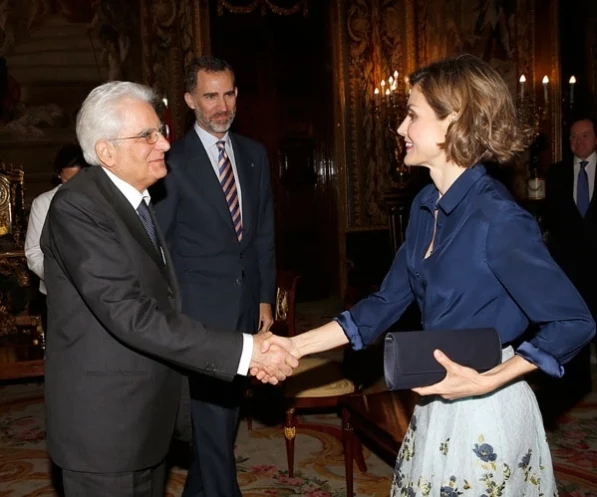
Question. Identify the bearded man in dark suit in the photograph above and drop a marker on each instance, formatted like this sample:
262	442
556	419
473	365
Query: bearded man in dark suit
217	216
116	336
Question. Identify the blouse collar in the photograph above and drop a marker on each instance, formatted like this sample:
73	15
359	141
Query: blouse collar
456	192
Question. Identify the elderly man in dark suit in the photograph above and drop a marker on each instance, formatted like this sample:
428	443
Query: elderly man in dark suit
571	221
217	216
116	336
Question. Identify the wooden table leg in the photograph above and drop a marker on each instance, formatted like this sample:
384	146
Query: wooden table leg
289	435
348	450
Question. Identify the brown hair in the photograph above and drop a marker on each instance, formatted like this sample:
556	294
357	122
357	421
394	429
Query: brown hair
486	127
207	63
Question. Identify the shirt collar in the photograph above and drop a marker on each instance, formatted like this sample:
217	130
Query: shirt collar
210	140
456	192
591	159
133	195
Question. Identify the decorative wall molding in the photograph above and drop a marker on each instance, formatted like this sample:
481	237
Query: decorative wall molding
282	8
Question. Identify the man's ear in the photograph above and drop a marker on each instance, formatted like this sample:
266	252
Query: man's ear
235	91
106	153
188	98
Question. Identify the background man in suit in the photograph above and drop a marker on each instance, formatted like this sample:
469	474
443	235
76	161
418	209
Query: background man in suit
217	216
113	310
571	221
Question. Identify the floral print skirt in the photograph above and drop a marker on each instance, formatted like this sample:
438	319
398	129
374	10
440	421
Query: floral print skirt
488	446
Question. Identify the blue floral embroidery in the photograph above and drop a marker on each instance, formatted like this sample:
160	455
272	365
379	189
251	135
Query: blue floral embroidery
525	460
449	492
485	452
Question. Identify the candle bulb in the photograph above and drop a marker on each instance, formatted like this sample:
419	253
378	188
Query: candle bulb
383	83
522	81
545	82
572	82
406	85
395	75
391	80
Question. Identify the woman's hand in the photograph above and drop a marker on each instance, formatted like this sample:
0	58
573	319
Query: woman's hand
460	381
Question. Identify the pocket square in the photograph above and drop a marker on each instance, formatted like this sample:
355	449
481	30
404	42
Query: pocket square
409	361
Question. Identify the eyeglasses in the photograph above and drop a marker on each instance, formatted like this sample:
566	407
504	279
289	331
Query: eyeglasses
151	136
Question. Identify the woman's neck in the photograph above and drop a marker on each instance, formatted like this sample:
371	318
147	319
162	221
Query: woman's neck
444	177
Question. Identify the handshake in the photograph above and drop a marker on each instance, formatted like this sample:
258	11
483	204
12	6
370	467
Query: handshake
274	357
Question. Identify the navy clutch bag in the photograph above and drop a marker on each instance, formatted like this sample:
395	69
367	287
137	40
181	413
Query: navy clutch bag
409	361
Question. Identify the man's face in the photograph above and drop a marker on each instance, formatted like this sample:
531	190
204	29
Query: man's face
214	101
583	141
134	160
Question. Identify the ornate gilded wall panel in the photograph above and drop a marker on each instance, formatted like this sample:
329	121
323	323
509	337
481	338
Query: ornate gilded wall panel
380	36
375	45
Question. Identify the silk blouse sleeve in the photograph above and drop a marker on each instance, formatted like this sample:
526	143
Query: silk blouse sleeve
370	317
519	259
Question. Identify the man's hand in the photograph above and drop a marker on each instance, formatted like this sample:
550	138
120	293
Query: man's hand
266	318
271	361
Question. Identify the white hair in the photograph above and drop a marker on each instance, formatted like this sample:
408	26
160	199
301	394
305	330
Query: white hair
100	117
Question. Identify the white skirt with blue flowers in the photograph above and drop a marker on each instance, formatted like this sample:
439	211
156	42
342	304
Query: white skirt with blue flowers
487	446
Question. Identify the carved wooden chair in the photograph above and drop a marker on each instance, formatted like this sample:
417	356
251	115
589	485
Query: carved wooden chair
317	383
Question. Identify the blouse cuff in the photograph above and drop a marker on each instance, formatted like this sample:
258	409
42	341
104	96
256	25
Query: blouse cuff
350	329
544	361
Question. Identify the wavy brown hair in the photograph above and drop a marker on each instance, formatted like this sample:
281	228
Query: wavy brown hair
486	127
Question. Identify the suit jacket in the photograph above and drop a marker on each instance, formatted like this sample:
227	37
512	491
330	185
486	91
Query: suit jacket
572	239
114	332
222	280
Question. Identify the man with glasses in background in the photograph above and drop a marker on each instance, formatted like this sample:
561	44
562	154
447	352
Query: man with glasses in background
116	337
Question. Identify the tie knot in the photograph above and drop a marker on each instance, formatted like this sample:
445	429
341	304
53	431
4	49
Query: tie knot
583	163
220	144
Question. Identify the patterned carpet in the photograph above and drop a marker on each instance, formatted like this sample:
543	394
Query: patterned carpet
261	456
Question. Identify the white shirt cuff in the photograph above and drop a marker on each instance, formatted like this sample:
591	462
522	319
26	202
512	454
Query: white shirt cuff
246	355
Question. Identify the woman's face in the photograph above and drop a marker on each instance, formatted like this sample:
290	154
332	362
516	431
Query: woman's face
68	172
422	132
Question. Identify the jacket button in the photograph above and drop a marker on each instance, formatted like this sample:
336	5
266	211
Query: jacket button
237	281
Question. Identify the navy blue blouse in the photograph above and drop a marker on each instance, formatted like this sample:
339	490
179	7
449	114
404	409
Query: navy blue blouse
489	268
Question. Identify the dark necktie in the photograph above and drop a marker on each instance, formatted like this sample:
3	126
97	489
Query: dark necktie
229	188
147	222
582	189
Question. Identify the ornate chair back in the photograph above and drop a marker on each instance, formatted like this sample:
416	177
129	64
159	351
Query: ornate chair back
12	202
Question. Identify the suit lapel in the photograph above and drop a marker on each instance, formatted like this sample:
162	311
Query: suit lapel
126	212
243	169
204	178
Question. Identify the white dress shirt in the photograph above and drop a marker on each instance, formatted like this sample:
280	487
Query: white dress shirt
135	197
209	144
590	168
37	218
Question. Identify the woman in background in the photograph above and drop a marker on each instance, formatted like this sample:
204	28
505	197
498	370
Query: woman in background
67	163
472	259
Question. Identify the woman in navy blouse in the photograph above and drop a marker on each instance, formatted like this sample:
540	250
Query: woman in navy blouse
472	259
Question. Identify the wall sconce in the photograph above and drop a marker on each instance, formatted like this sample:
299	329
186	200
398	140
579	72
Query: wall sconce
389	100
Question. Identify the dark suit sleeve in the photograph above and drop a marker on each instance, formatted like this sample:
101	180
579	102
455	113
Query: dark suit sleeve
265	236
87	245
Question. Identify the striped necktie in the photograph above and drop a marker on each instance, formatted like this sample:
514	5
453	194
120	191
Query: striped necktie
229	188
